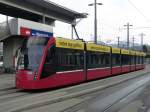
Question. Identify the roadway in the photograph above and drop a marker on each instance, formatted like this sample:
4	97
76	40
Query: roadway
123	93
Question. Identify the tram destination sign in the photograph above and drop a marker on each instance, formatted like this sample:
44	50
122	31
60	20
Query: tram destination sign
138	53
99	48
124	51
70	44
116	50
133	52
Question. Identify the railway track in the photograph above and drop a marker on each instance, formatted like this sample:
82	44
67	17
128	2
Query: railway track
9	97
8	91
14	100
76	103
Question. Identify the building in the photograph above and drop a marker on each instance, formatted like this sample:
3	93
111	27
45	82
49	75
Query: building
38	16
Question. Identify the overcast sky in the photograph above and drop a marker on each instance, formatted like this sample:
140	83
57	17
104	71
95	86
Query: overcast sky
112	15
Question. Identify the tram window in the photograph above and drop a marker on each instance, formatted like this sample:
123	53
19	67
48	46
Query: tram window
69	59
138	59
97	60
125	59
142	60
49	65
132	60
116	60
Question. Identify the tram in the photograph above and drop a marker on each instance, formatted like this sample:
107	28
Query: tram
48	62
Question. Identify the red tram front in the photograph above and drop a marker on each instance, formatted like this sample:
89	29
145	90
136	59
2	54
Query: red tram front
41	65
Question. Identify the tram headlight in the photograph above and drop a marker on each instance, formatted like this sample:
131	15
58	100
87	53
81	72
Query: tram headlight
29	72
20	67
35	75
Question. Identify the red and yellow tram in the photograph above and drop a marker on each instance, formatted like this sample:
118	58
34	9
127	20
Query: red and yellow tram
54	62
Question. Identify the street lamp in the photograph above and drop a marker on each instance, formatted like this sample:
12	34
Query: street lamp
95	18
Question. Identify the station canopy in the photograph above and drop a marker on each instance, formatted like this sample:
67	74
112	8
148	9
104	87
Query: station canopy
35	10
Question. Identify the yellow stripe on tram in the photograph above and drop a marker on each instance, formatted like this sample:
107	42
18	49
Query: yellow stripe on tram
98	48
70	44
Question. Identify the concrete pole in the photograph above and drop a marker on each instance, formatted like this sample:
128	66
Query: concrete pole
43	19
95	22
118	41
133	41
142	35
128	34
7	20
71	31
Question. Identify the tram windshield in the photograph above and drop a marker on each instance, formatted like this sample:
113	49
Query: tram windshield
31	53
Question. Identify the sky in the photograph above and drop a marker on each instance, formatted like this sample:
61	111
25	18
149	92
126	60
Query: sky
112	16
